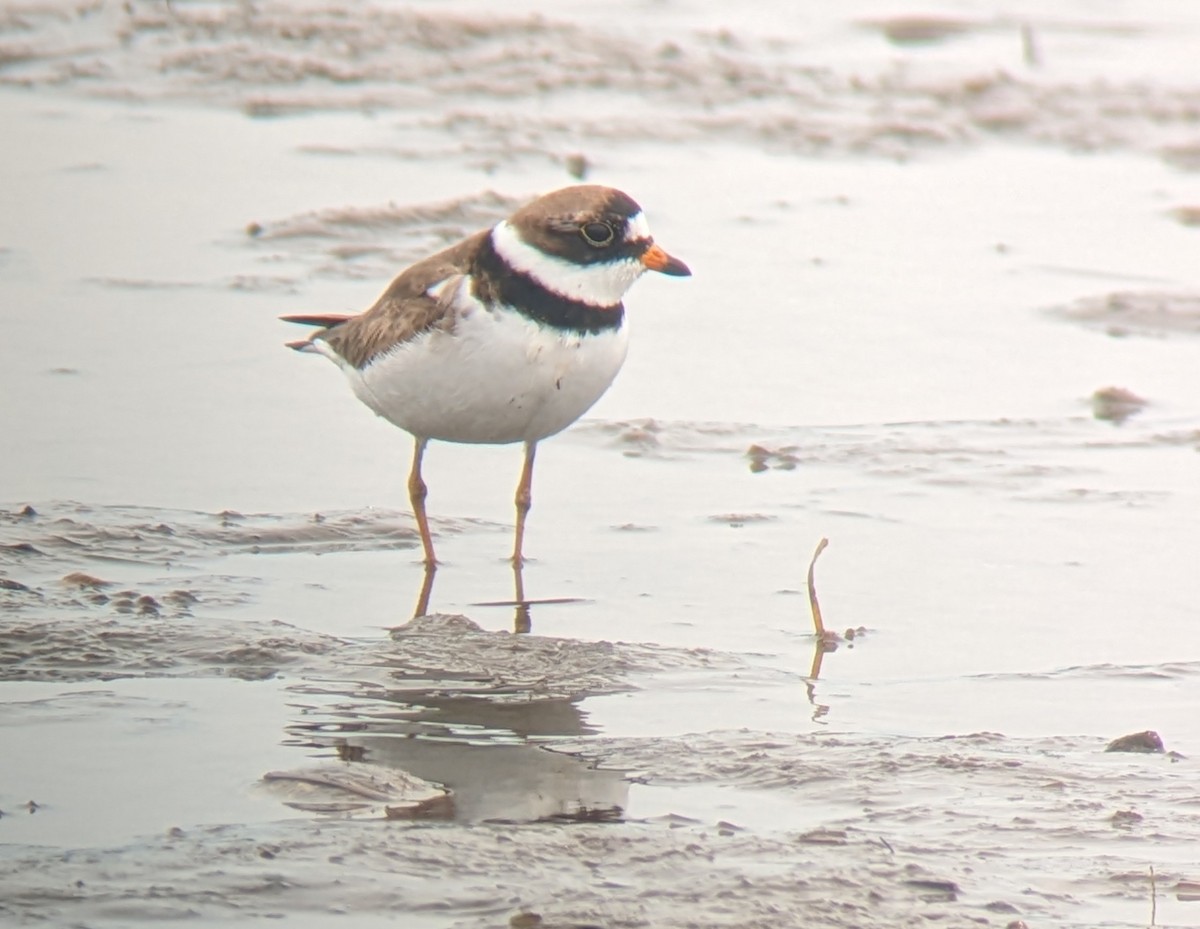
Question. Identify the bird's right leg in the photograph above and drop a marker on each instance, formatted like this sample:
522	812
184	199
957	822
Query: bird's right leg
417	491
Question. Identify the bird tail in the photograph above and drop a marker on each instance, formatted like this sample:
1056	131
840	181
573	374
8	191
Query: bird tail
324	320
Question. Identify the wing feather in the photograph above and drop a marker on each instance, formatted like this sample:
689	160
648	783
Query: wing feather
402	312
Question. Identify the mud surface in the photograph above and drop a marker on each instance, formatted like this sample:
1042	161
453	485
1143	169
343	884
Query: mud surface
944	314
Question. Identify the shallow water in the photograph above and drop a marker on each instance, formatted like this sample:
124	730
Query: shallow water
921	247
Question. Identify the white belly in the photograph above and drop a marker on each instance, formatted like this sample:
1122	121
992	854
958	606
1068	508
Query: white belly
498	377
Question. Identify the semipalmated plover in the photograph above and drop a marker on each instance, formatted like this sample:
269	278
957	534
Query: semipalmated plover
509	336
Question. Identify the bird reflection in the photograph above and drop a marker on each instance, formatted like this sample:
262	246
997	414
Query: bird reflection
422	608
522	617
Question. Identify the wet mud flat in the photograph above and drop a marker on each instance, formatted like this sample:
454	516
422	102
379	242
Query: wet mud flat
662	870
443	774
944	314
545	818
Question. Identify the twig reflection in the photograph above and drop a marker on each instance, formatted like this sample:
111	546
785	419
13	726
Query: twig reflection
822	645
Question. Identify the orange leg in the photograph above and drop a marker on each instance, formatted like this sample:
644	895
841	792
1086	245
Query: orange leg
524	501
417	491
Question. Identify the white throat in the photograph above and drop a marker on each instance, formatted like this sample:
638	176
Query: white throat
602	284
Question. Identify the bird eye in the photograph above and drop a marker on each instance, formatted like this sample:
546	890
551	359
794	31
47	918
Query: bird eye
598	234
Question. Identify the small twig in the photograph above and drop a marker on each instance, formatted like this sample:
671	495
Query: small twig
812	591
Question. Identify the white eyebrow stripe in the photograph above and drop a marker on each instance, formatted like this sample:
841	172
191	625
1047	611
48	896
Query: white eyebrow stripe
637	228
601	284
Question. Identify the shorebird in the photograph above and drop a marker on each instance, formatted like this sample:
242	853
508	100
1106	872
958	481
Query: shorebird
508	336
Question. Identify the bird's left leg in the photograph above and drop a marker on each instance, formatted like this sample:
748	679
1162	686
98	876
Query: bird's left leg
524	501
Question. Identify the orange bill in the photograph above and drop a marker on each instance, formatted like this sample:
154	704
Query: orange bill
656	259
